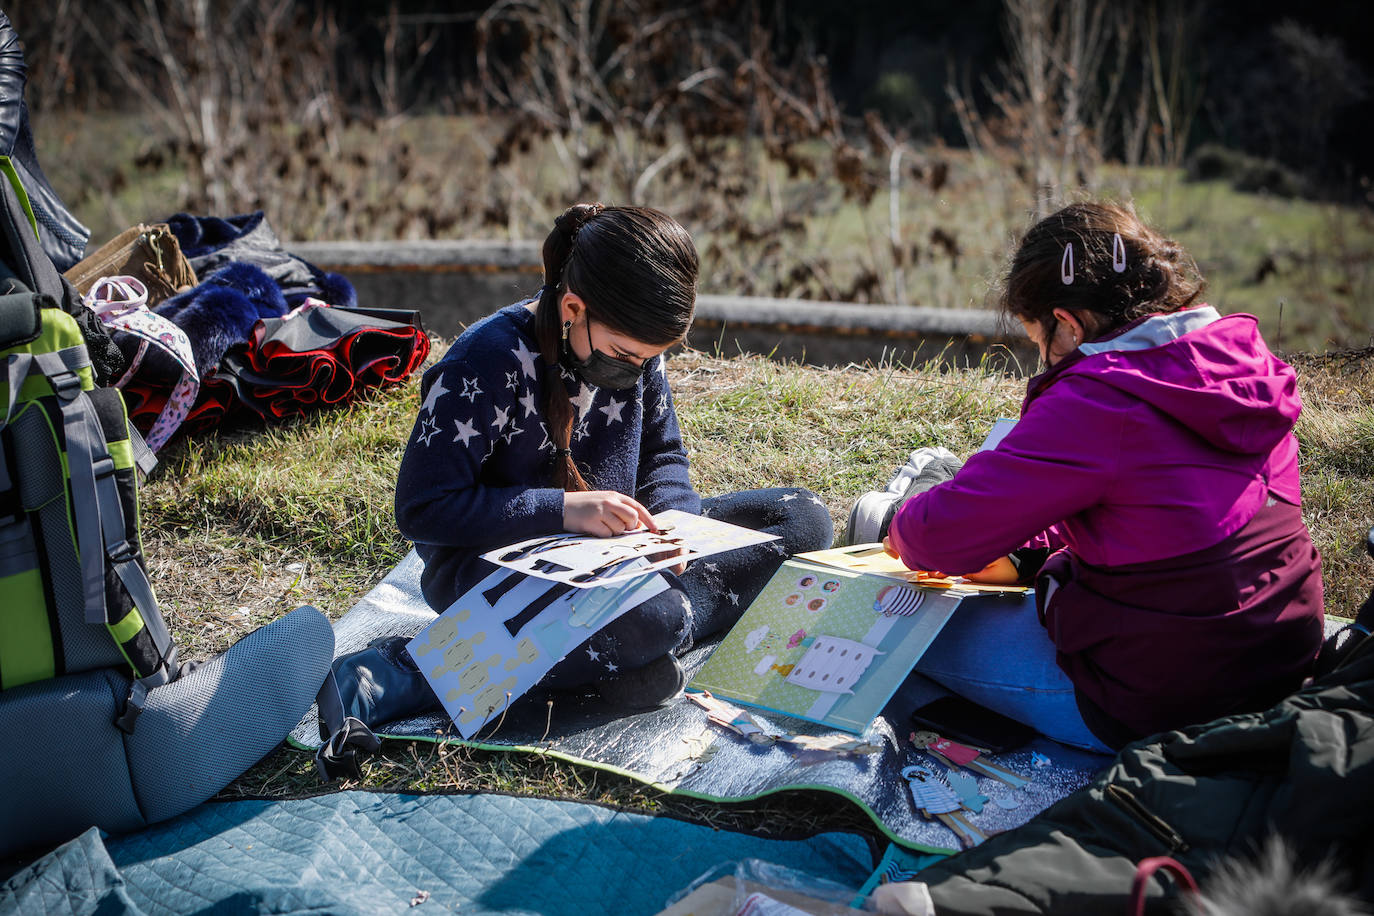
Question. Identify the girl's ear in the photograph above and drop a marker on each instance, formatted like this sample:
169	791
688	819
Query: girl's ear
1074	324
570	307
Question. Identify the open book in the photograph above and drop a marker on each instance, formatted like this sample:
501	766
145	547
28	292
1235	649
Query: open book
833	635
545	599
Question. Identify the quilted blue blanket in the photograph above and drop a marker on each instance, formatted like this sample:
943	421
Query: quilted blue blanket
361	853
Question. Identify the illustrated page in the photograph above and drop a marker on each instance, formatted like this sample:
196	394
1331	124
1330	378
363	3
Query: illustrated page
499	638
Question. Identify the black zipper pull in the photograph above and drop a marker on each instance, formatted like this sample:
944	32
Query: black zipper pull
1153	822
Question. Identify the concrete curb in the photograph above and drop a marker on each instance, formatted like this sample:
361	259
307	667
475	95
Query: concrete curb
456	282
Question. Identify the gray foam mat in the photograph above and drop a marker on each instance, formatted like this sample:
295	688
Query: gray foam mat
675	748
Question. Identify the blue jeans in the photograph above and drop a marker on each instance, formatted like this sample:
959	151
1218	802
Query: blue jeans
995	652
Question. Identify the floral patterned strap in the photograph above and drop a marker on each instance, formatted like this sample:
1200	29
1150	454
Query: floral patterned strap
122	303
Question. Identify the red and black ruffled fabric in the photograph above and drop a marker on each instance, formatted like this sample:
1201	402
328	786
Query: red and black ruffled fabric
291	366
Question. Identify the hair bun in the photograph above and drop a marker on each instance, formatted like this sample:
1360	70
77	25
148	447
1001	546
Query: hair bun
575	217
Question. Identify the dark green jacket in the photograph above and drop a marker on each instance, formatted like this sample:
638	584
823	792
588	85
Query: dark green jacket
1303	769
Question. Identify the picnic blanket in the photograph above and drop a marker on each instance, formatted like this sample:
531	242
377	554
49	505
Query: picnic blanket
362	852
676	749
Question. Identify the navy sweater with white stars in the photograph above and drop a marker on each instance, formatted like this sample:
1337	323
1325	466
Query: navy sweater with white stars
477	471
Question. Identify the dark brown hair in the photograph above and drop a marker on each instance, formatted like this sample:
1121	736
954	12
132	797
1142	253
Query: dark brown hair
636	270
1159	276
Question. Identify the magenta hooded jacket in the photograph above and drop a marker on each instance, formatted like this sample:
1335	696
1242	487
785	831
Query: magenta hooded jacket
1162	459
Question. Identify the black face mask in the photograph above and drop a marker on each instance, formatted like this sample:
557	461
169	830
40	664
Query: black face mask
603	371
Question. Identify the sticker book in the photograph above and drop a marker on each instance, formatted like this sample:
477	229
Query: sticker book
501	636
827	644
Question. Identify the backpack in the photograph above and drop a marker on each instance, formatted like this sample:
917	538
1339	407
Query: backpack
72	575
102	727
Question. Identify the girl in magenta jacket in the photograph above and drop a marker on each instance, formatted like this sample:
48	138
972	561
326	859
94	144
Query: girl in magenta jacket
1155	463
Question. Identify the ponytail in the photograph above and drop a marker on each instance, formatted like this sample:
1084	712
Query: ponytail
548	332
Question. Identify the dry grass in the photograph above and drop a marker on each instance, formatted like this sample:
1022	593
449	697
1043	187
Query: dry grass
243	526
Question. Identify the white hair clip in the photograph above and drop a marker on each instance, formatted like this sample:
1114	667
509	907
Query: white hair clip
1066	265
1118	253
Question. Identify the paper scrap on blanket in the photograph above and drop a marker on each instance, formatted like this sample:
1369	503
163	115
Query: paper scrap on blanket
504	634
585	561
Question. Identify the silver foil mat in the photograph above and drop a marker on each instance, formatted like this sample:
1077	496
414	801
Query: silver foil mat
675	748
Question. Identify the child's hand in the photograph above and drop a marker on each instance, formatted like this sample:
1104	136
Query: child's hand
1000	571
604	513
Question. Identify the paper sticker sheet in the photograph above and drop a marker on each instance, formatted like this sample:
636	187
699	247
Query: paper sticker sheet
584	561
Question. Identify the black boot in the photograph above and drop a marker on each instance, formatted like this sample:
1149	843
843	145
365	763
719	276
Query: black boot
381	683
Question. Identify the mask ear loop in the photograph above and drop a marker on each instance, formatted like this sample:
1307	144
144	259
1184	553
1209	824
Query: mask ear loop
1118	253
1066	265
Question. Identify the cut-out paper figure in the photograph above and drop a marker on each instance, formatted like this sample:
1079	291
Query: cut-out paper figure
784	670
954	754
442	632
831	585
475	675
898	601
966	787
815	605
832	664
806	581
796	639
935	800
489	700
459	655
526	653
792	599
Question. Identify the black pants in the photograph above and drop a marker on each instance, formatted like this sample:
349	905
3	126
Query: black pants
711	595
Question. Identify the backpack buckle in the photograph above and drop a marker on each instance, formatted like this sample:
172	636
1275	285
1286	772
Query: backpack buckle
133	707
66	385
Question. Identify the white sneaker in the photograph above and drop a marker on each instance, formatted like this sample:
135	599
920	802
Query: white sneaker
867	517
874	510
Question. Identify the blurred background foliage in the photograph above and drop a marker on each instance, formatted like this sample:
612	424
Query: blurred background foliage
873	152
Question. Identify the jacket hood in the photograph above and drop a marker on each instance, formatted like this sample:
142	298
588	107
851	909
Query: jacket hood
1213	374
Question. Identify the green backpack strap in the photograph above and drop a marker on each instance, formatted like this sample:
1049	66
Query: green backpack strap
97	515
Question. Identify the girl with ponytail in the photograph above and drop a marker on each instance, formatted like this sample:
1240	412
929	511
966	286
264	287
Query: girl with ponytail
1149	490
555	415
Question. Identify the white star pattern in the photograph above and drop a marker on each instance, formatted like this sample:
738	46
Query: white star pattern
547	444
583	402
514	431
593	654
662	367
513	380
662	406
567	376
527	402
817	500
465	431
526	358
612	667
711	567
612	411
435	393
734	599
471	389
787	497
502	415
776	547
429	428
581	432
